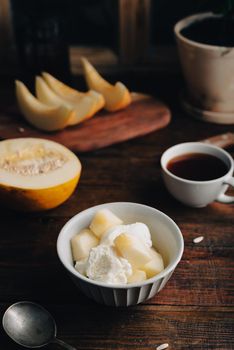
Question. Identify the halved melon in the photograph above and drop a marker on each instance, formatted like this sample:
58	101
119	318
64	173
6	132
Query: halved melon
72	95
39	114
116	96
36	174
83	108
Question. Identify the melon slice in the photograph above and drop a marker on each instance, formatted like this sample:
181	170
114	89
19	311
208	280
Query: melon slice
36	174
137	276
39	114
103	220
72	95
83	108
133	249
47	95
155	265
116	96
82	243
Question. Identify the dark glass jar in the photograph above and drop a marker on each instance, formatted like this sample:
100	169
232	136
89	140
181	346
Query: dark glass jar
41	36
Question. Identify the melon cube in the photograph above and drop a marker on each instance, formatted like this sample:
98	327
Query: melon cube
137	276
81	266
82	243
155	265
103	220
133	249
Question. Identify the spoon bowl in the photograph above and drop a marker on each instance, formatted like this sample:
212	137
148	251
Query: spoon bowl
31	326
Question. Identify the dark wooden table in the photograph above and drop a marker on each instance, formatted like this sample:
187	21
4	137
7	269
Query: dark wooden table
195	309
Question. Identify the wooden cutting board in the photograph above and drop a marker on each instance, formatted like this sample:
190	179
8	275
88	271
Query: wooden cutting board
144	115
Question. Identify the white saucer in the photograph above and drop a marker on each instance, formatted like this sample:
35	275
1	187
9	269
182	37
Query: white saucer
206	116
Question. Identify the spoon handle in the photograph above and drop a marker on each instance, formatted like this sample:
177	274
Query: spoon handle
63	344
223	141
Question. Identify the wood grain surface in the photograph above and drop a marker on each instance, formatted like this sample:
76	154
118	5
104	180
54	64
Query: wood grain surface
144	115
194	311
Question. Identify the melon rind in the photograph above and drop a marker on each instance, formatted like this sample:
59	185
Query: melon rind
37	200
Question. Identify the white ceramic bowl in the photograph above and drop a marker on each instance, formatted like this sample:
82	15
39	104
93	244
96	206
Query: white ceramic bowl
166	237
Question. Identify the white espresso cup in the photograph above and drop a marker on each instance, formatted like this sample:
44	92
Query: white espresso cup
198	193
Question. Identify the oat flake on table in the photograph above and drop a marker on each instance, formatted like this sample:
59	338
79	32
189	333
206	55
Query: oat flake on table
198	239
162	346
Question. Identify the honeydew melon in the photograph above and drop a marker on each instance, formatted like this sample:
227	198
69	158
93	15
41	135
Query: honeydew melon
72	95
40	115
133	249
83	108
155	265
137	276
102	221
82	243
36	174
116	96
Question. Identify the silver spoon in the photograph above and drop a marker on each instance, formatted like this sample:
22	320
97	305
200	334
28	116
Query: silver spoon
31	326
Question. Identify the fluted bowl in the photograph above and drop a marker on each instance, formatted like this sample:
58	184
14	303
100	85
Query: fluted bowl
166	237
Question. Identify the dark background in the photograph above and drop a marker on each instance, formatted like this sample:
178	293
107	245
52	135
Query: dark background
49	31
95	22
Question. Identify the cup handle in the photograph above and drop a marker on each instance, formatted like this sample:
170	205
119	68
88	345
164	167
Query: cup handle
223	198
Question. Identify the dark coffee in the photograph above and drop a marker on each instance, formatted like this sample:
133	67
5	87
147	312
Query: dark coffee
197	167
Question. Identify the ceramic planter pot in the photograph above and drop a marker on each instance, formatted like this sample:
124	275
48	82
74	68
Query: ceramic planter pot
208	72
